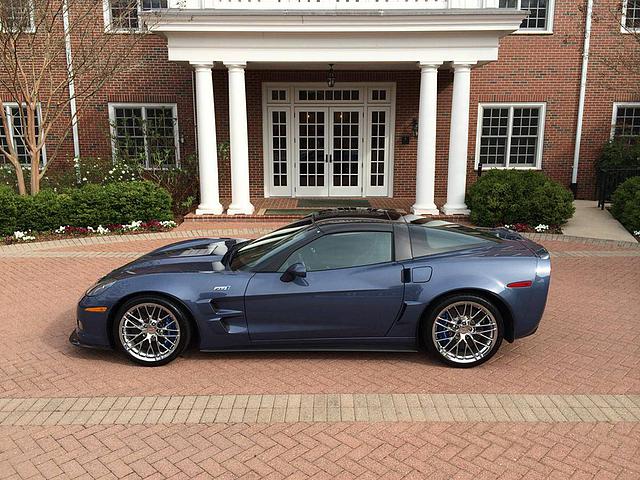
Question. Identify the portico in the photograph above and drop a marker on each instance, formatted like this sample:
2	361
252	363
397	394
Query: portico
340	140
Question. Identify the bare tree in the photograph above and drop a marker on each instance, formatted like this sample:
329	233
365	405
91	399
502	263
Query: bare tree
35	76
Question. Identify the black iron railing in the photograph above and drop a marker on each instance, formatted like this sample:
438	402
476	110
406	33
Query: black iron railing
609	178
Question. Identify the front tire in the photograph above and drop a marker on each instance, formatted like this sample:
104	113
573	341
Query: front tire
463	330
151	331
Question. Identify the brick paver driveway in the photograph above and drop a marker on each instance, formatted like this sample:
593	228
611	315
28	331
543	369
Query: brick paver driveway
564	403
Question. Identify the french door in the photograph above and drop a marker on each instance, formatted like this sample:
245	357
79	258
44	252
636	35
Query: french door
328	151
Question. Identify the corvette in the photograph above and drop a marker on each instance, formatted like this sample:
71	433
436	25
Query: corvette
343	279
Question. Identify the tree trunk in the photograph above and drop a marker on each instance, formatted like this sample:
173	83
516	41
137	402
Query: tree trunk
22	188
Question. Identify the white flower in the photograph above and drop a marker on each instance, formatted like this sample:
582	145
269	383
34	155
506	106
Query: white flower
168	224
84	179
102	230
541	228
61	229
637	233
23	237
135	225
508	226
90	229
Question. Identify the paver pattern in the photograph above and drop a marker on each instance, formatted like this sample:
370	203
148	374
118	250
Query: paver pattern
563	403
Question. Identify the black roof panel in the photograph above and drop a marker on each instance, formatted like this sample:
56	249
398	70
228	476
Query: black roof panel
357	214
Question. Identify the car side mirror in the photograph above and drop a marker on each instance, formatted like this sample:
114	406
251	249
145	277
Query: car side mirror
296	270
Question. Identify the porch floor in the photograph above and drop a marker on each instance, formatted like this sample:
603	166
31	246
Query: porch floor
280	208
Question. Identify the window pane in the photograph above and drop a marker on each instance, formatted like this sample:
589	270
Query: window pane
17	14
129	133
344	250
628	124
493	140
18	135
124	14
279	147
378	148
632	15
151	4
538	12
524	136
427	240
161	140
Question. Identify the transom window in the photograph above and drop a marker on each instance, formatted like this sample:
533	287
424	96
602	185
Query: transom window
510	135
626	122
17	15
124	15
631	15
148	133
330	95
540	13
343	250
16	135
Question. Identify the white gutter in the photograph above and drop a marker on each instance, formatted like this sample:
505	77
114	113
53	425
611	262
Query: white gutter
72	86
583	91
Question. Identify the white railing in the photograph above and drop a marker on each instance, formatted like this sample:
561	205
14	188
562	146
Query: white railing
329	4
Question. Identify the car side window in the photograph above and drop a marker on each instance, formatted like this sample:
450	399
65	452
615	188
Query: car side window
431	240
343	250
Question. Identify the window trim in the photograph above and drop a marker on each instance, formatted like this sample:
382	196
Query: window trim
539	151
548	30
623	20
144	106
614	115
32	26
8	106
108	19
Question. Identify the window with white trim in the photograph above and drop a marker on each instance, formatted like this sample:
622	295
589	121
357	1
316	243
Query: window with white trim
540	16
17	15
145	132
626	122
16	135
124	15
631	15
510	135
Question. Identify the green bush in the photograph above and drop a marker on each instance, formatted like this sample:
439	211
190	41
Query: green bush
619	154
8	210
90	205
625	204
502	197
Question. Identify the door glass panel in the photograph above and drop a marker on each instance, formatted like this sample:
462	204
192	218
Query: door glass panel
343	250
378	147
312	149
279	148
346	152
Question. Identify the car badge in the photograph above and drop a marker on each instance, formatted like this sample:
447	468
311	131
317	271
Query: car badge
222	288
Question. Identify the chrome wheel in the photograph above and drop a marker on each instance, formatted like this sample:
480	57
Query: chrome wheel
464	332
149	332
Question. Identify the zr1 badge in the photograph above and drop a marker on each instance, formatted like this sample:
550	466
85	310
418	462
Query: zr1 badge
222	288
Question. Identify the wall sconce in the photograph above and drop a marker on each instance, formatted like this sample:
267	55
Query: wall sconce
414	128
331	76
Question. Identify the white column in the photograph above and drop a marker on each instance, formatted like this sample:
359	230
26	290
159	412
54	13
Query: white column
207	144
426	160
238	141
458	141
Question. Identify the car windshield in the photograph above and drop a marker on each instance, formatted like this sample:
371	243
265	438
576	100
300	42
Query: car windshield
265	247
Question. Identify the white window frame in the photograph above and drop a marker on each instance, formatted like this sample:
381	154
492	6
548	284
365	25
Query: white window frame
144	106
614	114
8	106
511	106
623	20
548	30
108	27
32	27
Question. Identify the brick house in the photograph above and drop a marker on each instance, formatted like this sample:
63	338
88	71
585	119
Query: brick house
371	98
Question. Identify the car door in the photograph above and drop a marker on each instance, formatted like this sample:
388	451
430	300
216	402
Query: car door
353	288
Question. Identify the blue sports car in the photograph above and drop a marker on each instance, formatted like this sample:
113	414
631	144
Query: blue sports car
345	279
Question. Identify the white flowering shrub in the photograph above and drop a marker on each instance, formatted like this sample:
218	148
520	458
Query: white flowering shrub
23	236
541	228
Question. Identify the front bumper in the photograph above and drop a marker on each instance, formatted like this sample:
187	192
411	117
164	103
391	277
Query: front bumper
79	340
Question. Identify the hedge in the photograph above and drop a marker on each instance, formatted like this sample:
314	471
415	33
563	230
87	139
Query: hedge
625	204
510	196
90	205
619	154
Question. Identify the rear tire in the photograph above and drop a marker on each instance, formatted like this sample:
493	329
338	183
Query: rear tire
463	330
151	330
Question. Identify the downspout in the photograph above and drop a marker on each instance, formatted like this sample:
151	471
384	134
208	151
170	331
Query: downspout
583	92
71	81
